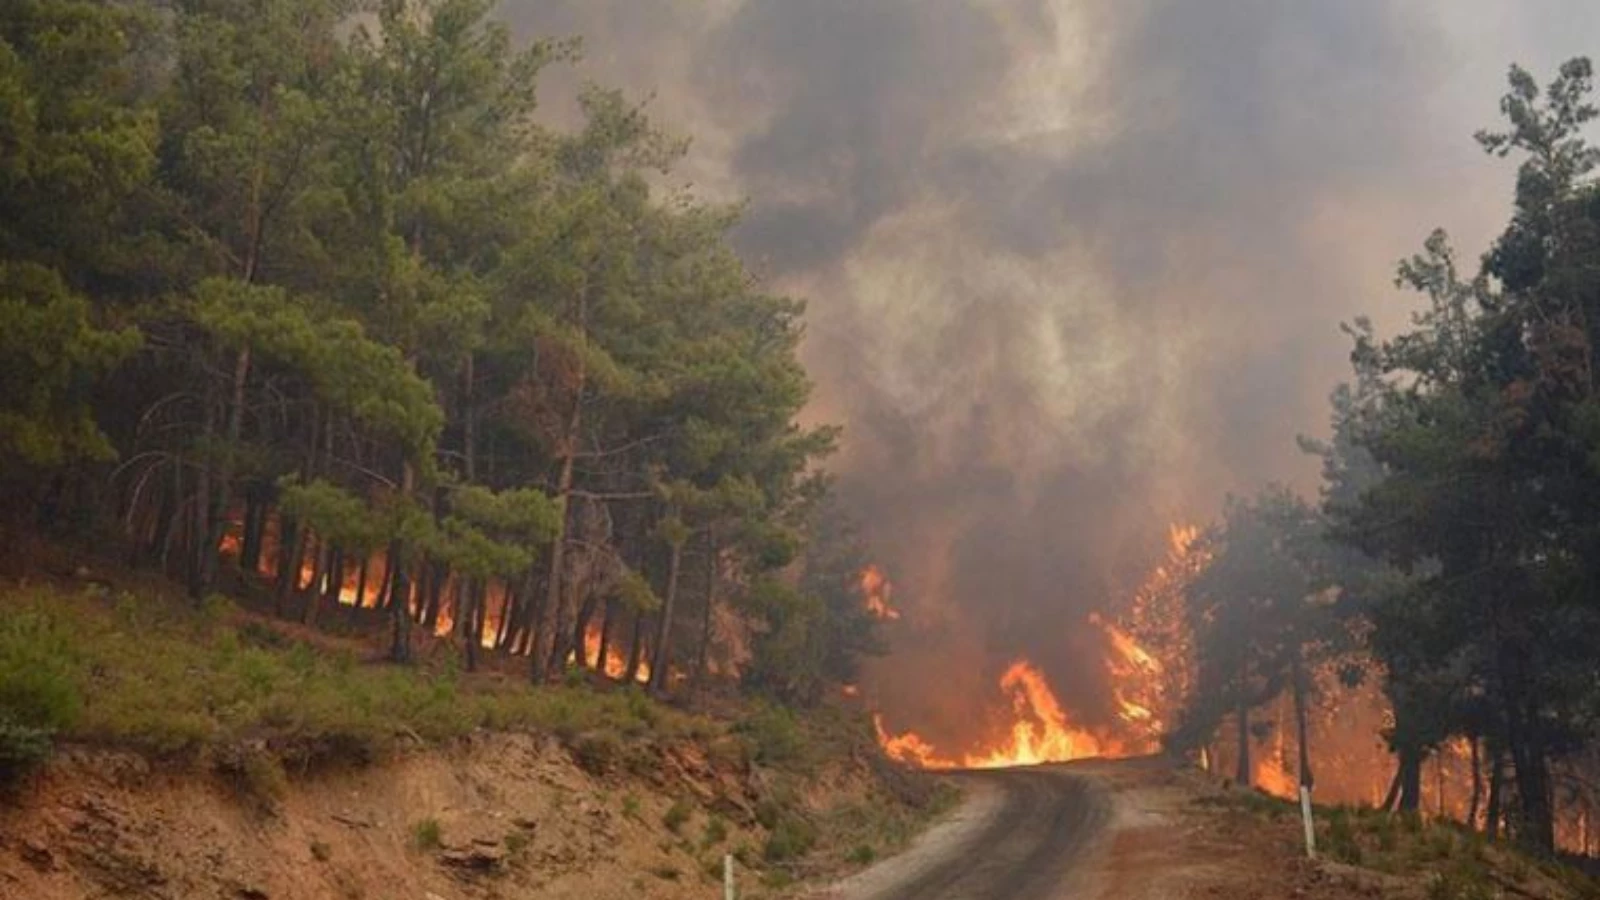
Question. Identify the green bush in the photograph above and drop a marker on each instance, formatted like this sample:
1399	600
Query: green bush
862	855
715	832
38	680
426	834
774	735
1340	841
22	749
792	838
597	753
676	815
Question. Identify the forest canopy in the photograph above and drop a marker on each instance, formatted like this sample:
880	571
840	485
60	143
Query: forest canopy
305	302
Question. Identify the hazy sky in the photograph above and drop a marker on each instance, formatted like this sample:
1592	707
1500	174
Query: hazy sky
1075	267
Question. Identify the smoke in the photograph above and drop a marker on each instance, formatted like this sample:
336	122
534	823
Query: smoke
1075	266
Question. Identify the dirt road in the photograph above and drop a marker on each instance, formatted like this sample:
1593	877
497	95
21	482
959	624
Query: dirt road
1018	838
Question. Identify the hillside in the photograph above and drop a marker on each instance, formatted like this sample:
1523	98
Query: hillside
215	752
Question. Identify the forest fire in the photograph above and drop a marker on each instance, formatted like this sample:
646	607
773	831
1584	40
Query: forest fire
877	589
1145	691
615	664
1040	732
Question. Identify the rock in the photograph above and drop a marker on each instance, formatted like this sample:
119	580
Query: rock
477	858
525	823
38	855
251	893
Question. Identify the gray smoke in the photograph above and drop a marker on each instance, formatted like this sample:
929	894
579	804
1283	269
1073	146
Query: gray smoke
1075	268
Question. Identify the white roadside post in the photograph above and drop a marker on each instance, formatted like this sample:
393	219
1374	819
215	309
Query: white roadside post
1305	815
727	877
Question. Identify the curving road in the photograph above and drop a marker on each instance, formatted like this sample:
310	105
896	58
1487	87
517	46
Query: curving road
1018	838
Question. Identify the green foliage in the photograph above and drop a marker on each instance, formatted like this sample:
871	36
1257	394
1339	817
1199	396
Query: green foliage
774	734
676	815
862	855
140	657
376	299
1460	474
791	838
40	674
426	834
23	748
714	833
52	354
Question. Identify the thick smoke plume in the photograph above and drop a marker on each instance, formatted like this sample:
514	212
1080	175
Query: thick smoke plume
1075	268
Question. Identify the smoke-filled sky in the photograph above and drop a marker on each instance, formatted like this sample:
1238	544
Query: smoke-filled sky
1075	267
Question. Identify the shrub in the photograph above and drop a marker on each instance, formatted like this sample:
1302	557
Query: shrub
676	815
716	831
793	838
630	806
22	749
38	684
774	735
862	855
426	834
255	774
597	753
1341	843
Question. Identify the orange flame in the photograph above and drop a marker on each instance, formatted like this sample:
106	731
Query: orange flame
877	588
615	664
1040	732
1146	688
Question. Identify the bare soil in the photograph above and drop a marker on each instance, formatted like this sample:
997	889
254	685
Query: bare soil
503	816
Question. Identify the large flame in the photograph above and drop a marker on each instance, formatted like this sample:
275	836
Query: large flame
1040	732
1146	664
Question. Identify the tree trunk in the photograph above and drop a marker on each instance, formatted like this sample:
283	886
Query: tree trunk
255	522
635	650
703	658
438	578
1302	733
313	592
545	633
165	516
472	622
198	555
1477	785
602	655
291	541
399	603
1410	776
1492	808
1393	796
508	609
663	645
580	631
334	575
361	581
386	583
1241	772
1535	811
225	475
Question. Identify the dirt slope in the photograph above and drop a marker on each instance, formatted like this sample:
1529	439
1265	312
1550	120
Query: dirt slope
514	817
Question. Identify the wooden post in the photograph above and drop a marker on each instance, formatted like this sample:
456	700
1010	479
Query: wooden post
728	892
1305	815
